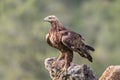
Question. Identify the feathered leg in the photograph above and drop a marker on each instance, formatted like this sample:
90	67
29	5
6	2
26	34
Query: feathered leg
61	56
68	59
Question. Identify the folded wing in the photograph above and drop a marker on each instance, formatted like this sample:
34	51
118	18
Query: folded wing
75	42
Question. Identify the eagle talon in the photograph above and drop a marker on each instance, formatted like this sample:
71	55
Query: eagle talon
63	71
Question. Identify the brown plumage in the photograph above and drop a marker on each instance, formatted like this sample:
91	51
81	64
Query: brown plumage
66	41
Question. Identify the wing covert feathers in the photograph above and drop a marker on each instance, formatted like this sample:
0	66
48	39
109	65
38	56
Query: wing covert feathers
75	42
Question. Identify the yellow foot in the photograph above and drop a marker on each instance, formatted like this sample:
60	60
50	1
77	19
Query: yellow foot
63	70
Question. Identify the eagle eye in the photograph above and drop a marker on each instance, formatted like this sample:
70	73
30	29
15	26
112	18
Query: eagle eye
50	17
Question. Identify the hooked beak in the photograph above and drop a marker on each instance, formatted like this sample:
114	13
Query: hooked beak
46	19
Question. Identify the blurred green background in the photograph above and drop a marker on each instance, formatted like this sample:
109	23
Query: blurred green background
22	34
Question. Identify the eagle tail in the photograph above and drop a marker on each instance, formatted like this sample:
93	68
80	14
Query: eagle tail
85	54
89	57
89	48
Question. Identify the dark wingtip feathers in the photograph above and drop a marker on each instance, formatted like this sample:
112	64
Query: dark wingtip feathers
89	48
85	54
89	58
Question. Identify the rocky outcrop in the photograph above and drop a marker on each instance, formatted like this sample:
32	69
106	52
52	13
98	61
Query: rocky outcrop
111	73
74	72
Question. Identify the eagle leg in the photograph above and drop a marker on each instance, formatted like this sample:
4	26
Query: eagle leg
68	59
61	56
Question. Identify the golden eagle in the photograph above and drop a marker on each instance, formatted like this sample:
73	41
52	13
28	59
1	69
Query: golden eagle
66	41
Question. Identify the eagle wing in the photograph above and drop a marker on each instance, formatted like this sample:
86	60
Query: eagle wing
48	40
74	41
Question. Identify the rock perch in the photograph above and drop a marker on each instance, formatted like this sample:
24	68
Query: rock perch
111	73
74	72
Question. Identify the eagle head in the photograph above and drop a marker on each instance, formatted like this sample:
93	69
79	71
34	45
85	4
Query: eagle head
51	18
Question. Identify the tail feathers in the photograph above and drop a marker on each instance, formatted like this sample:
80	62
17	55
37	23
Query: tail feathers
89	57
89	48
85	54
